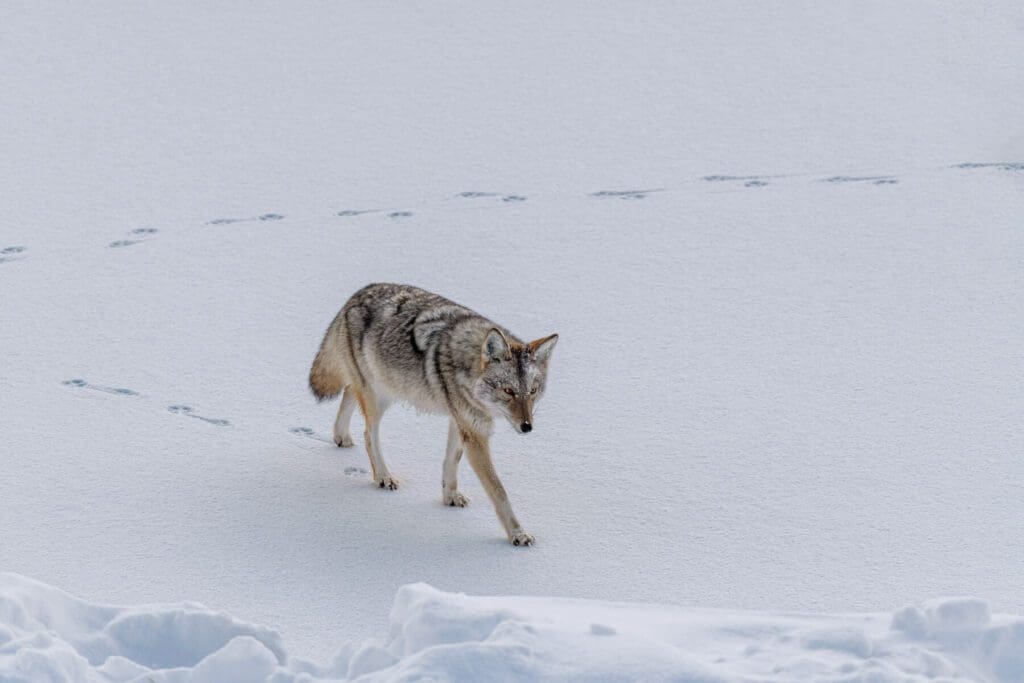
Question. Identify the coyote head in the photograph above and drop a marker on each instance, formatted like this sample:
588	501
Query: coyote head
513	377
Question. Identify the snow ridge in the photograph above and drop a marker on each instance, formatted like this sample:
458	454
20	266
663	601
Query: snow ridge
48	635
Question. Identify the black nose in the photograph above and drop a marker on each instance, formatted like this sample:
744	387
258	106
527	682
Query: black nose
526	426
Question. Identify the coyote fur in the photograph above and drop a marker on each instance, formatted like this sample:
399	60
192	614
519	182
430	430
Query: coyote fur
398	342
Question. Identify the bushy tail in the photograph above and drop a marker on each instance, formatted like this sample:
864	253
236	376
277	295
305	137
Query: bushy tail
325	378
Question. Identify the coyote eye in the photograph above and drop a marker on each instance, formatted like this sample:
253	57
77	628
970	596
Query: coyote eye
510	391
533	391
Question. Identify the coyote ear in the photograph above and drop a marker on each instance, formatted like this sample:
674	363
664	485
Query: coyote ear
542	348
495	346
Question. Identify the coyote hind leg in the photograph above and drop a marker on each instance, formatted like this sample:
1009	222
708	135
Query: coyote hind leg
373	410
342	435
449	479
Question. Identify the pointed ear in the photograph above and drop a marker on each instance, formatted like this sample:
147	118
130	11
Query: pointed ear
542	348
495	346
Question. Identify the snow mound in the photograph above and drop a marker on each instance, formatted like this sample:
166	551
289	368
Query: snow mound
47	635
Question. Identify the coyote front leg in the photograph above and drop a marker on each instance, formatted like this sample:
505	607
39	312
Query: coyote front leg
450	475
479	453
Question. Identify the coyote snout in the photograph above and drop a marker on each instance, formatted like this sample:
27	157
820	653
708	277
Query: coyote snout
400	342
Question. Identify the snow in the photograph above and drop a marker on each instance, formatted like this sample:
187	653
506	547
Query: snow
47	635
781	247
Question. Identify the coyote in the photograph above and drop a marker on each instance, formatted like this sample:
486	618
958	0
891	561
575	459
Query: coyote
398	342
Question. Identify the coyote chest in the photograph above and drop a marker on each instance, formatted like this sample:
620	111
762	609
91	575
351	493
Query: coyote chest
398	342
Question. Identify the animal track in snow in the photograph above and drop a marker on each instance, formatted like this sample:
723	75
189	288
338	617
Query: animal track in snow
9	254
747	180
310	434
82	384
623	194
354	212
187	411
729	178
261	218
397	215
874	180
1001	165
141	232
79	383
508	198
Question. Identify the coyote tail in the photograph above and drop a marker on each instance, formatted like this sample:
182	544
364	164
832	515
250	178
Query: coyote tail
325	377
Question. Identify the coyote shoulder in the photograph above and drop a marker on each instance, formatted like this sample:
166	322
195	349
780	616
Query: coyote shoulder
398	342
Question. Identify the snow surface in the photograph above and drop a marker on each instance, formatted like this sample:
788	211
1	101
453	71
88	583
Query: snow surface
47	635
782	246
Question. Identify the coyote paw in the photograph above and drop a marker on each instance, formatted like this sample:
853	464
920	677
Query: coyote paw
387	482
521	538
455	499
343	441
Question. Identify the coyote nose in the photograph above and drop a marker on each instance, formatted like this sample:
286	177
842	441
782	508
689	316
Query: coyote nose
526	426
